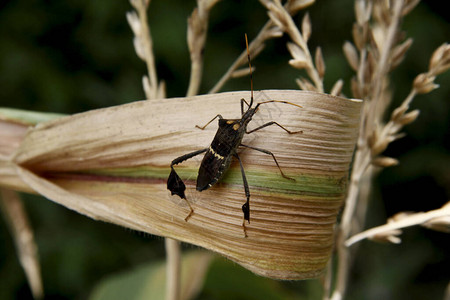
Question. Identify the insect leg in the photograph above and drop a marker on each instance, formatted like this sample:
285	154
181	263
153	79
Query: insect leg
182	158
273	123
242	106
174	183
273	156
218	116
246	206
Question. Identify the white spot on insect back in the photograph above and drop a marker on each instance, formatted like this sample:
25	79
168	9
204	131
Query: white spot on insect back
217	155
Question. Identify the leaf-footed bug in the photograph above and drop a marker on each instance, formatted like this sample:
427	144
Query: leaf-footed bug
218	155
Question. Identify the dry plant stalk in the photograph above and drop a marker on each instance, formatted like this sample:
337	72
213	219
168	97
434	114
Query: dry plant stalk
302	58
15	215
270	30
143	44
196	38
117	173
378	48
438	219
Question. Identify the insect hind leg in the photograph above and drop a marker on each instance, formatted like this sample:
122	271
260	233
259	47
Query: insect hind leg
246	206
175	185
273	156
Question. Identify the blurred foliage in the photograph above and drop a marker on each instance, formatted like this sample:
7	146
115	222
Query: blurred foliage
148	282
76	55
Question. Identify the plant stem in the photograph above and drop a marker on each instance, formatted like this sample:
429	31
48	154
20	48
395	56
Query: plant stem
363	154
15	215
414	219
256	43
173	269
195	77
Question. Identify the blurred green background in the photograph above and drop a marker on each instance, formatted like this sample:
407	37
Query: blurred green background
76	55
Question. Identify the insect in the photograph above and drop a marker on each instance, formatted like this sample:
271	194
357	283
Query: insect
223	148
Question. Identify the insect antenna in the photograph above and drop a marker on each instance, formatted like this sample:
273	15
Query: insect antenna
251	75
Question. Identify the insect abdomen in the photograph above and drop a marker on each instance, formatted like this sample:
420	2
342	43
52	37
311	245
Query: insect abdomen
218	156
212	168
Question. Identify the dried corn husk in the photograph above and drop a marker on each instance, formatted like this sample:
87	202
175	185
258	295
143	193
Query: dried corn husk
112	164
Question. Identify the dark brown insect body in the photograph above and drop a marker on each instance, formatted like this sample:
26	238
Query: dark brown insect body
223	147
219	154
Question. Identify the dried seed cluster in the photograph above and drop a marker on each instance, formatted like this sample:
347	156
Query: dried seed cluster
301	56
143	45
378	47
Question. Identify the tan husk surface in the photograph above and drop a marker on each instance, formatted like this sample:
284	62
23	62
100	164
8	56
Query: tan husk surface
112	164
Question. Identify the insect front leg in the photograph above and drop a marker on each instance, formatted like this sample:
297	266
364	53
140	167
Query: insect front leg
246	206
273	123
218	116
273	156
174	183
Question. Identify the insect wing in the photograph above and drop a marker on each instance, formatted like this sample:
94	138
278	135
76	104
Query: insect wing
212	167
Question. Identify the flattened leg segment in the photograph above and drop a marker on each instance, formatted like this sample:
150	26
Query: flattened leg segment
174	183
273	156
246	206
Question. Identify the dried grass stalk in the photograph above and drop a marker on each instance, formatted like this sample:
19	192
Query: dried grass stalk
379	46
302	58
196	38
17	220
438	219
112	164
143	44
269	31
